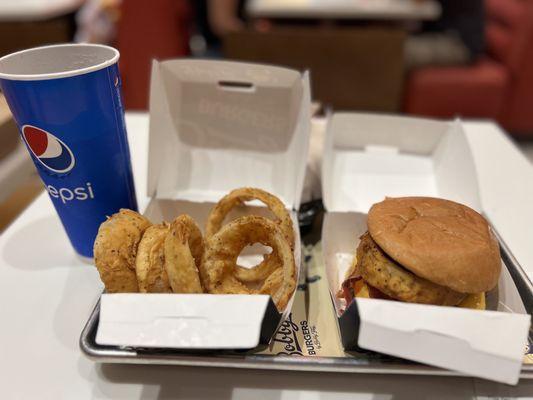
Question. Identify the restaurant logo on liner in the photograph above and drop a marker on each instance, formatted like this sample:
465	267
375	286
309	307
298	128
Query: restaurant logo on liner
297	339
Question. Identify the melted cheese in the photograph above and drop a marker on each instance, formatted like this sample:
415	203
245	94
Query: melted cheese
475	301
362	290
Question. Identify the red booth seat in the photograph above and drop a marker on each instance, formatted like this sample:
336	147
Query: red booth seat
158	29
499	86
476	91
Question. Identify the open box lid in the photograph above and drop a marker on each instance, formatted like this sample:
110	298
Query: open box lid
218	125
370	156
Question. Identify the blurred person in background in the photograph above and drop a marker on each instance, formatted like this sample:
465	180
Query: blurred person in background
96	21
456	38
214	19
217	18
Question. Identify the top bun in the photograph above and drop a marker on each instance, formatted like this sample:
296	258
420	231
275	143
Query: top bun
442	241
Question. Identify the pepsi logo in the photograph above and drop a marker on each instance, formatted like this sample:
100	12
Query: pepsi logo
51	152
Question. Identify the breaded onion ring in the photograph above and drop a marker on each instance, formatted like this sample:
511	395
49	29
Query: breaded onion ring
259	272
229	284
272	283
184	247
282	218
115	250
150	263
223	248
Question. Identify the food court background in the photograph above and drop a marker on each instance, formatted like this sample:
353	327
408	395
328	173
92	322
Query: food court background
433	58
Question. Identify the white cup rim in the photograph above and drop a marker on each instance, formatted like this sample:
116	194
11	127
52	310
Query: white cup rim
61	74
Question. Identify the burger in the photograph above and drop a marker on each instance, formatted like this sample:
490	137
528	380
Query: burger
425	250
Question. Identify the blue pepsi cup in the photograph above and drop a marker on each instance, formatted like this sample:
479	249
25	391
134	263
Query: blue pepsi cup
66	101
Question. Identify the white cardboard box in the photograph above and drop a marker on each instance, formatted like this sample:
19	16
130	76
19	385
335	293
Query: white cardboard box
368	157
214	126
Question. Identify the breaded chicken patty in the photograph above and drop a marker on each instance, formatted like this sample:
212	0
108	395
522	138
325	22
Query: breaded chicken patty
383	273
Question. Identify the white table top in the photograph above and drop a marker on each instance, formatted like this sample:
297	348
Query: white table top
36	10
344	9
46	295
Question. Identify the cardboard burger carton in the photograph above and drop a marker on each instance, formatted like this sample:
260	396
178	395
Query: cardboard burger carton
214	126
370	157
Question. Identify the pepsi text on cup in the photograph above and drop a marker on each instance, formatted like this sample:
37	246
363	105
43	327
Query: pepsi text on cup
57	157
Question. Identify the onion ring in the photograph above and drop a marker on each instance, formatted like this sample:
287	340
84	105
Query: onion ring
184	247
223	248
282	218
259	272
229	284
272	283
115	250
150	262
